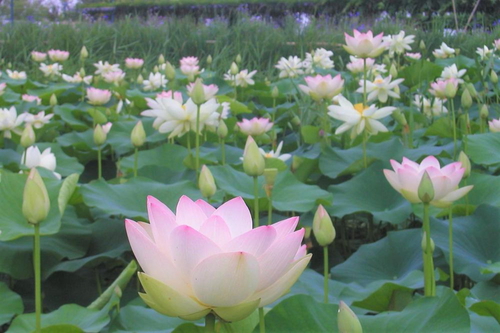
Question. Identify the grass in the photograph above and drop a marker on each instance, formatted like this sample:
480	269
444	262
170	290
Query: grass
260	43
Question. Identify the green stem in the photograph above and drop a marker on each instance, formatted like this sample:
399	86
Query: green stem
466	200
197	141
210	323
270	209
325	125
99	163
262	323
256	202
98	281
450	238
38	279
136	161
410	134
454	123
223	151
429	287
365	136
365	74
325	273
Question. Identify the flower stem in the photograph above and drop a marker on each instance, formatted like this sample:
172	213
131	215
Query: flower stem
99	163
450	238
410	134
262	323
454	123
210	323
365	136
270	209
136	160
325	273
38	279
223	151
197	141
429	287
365	74
256	202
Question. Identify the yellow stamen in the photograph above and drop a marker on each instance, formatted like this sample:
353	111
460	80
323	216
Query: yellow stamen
360	108
378	81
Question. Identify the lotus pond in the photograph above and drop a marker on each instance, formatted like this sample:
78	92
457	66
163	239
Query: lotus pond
357	197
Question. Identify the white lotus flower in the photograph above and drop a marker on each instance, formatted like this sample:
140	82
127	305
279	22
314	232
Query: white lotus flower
51	70
359	117
38	120
276	154
484	52
444	51
398	43
381	88
46	159
452	72
15	75
77	78
106	67
10	121
155	81
319	58
430	109
291	67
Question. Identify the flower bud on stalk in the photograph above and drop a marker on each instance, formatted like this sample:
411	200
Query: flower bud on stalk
493	77
464	159
161	59
426	189
206	182
466	99
53	100
233	70
222	129
238	59
347	320
99	135
323	227
424	243
253	161
270	175
393	71
36	202
483	112
169	71
198	93
84	53
275	92
209	60
138	135
28	137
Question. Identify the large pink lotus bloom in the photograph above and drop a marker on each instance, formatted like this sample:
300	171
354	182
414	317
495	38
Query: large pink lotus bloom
98	96
406	179
255	126
322	87
58	55
134	63
204	260
364	45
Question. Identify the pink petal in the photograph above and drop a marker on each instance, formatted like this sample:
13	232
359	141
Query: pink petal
162	221
236	215
255	241
225	279
188	248
301	252
152	261
189	213
274	262
285	227
216	229
430	161
205	206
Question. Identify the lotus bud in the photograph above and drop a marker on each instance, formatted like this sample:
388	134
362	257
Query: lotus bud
483	112
347	320
267	82
270	175
36	202
53	100
238	59
138	135
28	137
275	92
222	129
161	59
253	161
450	90
296	121
198	93
156	69
457	51
466	99
464	159
424	243
140	79
9	65
393	71
99	135
422	45
84	54
169	71
233	70
399	117
493	77
206	182
209	59
323	227
472	90
426	189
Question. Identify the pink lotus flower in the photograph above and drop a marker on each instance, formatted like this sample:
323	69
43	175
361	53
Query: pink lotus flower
168	94
210	90
406	179
134	63
357	65
364	45
38	56
440	90
322	87
31	98
204	259
413	56
98	96
496	44
189	66
494	125
255	126
58	55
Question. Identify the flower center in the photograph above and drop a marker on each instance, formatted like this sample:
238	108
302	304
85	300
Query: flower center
360	108
378	81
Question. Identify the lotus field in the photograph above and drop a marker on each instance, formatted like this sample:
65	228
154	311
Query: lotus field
339	197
